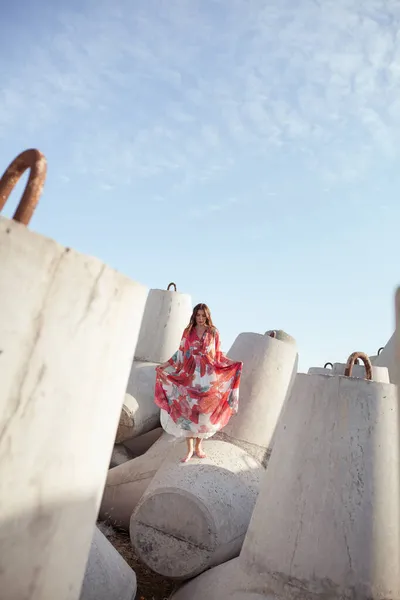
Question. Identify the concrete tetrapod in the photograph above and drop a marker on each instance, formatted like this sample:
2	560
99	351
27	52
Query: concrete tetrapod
326	520
387	358
195	515
107	575
127	483
68	329
269	368
397	332
139	412
380	374
166	315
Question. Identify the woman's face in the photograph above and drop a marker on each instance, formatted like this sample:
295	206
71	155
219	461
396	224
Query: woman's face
200	318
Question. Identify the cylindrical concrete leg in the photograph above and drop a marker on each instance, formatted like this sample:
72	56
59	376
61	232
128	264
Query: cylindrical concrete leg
269	368
195	515
387	358
107	576
139	413
166	315
68	329
139	445
218	583
127	483
119	456
326	522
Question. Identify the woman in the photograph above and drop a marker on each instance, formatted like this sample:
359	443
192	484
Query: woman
199	396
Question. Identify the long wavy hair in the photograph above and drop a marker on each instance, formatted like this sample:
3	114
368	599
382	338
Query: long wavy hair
207	312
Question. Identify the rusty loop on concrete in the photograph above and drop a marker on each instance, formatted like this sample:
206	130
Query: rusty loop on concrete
272	334
380	350
172	283
36	162
328	363
351	361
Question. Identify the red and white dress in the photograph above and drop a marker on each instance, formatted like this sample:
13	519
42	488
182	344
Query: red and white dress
200	393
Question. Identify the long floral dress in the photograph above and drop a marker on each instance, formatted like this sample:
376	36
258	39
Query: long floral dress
199	396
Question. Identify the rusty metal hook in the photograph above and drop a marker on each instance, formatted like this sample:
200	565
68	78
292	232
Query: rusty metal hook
172	283
328	363
36	162
272	334
380	350
351	361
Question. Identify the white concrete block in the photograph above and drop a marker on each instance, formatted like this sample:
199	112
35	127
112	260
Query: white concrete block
107	575
139	413
269	368
326	522
68	329
380	374
397	332
387	358
195	515
139	445
166	315
127	483
218	583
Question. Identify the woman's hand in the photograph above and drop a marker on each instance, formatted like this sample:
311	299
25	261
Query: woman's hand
163	366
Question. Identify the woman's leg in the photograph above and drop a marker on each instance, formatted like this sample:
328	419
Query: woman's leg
189	442
199	450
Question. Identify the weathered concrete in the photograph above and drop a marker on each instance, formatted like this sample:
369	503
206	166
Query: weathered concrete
107	575
166	315
195	515
119	456
139	412
326	523
387	358
281	335
397	333
127	483
68	329
269	368
380	374
218	583
139	445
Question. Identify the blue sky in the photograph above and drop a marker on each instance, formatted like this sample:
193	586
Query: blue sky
246	149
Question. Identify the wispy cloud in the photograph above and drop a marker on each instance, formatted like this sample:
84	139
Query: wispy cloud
179	89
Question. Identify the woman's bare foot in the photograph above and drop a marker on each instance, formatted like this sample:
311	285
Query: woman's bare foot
187	457
199	451
189	442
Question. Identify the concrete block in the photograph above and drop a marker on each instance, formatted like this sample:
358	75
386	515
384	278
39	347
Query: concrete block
139	445
195	515
269	368
107	575
166	315
326	521
139	413
380	374
119	456
387	358
127	483
397	333
68	329
218	583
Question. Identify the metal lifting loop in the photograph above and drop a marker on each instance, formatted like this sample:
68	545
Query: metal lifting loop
173	284
380	350
272	334
328	363
36	162
351	361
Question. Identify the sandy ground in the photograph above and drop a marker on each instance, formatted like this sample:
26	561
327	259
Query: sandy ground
150	585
